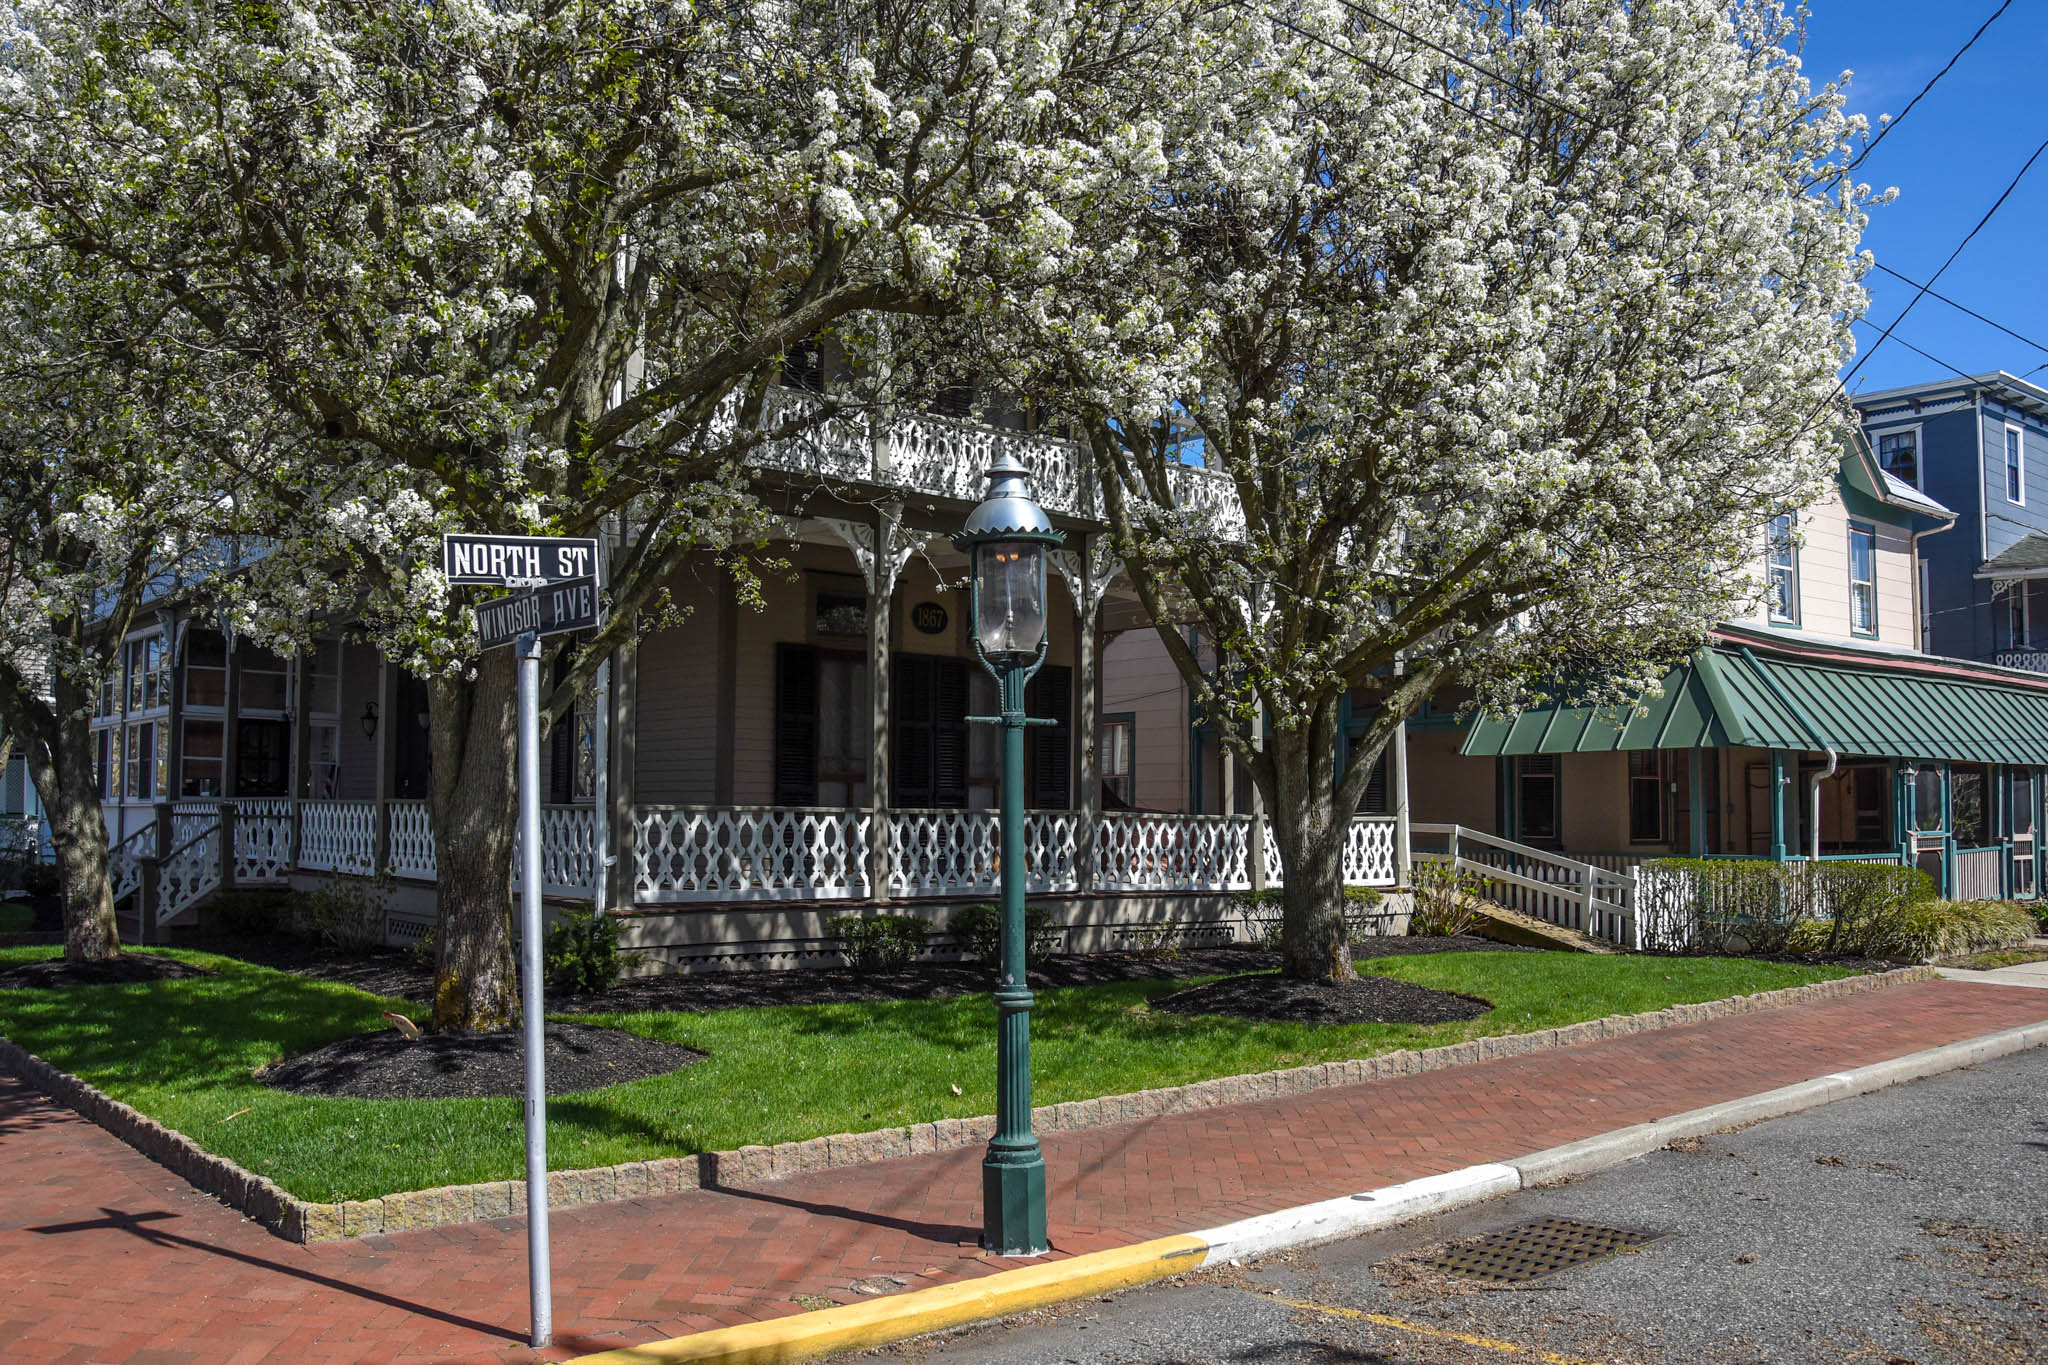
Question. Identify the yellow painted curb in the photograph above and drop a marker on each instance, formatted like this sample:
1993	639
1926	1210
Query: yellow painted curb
860	1326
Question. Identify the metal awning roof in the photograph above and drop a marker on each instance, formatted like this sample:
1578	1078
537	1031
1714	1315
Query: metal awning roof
1731	694
2026	557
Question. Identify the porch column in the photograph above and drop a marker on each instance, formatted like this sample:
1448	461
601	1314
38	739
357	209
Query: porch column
600	783
622	848
881	549
388	721
1256	845
300	783
1777	805
1088	569
1397	777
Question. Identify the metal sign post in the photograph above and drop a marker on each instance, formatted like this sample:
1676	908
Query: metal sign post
560	573
539	1281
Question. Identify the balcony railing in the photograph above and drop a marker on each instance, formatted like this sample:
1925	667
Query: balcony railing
948	458
2032	660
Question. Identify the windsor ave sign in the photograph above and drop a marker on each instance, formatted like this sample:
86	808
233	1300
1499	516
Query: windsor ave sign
517	561
552	610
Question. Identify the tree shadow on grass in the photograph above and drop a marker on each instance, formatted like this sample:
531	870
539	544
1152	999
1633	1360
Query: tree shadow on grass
135	1225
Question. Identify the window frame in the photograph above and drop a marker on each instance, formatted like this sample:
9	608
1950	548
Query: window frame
1656	781
2015	465
1867	529
2017	605
1127	721
1555	777
1913	429
1790	569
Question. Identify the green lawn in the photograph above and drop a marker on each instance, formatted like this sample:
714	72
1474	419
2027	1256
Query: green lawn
16	918
183	1051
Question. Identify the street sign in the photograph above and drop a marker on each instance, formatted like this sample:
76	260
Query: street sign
517	561
553	610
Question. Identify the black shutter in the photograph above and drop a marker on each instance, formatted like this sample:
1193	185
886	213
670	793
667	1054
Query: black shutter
796	725
949	733
1374	802
562	745
1050	696
910	731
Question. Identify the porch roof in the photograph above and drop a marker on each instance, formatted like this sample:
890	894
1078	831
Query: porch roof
1750	691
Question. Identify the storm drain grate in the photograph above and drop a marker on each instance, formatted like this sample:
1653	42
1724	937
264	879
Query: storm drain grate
1533	1250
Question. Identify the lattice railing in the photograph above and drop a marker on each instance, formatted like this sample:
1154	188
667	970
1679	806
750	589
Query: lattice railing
1369	851
568	851
749	853
411	840
936	852
338	836
189	873
124	861
263	839
1145	851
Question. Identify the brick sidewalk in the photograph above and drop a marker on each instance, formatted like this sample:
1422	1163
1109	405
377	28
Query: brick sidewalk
108	1257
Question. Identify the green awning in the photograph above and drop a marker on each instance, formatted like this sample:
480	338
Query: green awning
1867	705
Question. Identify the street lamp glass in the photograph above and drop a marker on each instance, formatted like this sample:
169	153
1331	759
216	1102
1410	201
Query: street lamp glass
1009	597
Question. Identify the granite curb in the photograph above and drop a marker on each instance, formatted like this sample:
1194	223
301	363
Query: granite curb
301	1221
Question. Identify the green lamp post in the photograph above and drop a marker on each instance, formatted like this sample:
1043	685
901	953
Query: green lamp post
1006	539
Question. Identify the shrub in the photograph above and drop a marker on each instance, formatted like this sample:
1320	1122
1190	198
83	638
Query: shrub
1444	899
344	912
41	879
1736	905
421	953
1263	915
247	912
581	954
878	943
978	930
1936	928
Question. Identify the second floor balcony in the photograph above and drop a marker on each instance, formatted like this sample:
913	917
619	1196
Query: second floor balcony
2033	660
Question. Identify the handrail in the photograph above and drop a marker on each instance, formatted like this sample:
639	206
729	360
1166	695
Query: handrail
1464	832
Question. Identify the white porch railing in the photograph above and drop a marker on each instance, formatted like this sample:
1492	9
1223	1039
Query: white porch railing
1980	874
568	851
1143	851
410	843
189	872
683	853
338	836
124	861
1549	886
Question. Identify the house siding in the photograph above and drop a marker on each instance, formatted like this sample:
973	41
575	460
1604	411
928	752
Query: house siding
676	704
1139	679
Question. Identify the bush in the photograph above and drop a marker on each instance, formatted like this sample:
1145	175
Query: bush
1735	905
237	913
1443	899
581	953
978	930
41	879
878	943
1263	914
345	913
1935	929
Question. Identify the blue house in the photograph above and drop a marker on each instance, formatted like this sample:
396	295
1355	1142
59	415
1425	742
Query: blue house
1980	447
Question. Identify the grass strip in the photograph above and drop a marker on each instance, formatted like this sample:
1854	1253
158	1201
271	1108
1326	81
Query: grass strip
183	1052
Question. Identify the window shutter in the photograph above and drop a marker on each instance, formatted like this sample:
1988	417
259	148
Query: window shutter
910	733
796	725
1374	802
949	732
1050	696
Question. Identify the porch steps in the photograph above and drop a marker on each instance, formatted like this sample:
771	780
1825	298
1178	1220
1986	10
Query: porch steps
1503	925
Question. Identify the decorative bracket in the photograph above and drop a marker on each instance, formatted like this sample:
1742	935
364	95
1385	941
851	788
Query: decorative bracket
879	547
1088	572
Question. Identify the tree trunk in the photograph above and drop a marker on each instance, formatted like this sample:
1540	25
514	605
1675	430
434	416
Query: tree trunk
474	737
1309	831
57	744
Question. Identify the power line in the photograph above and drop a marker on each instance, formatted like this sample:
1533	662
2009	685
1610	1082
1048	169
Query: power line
1527	91
1965	308
2004	195
1371	65
1885	131
1925	355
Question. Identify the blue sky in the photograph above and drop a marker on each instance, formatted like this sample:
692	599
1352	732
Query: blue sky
1949	160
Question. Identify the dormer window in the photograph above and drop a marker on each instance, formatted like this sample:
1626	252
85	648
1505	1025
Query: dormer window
1898	453
1784	572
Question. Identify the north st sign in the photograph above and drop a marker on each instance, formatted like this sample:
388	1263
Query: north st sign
553	610
517	561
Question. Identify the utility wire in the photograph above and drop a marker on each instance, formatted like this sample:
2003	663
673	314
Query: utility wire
1526	91
1964	308
1371	65
2004	195
1925	355
1885	131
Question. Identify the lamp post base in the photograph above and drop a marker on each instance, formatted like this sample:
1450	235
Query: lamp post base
1013	1204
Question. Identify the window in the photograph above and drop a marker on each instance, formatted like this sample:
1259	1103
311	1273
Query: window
262	758
146	687
199	762
1645	797
1898	453
1968	788
1113	748
323	680
1784	571
843	614
139	781
1536	797
264	683
1862	579
2018	628
206	669
2015	471
324	781
109	762
1927	812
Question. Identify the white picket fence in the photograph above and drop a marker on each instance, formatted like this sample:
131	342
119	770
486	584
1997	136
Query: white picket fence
1549	886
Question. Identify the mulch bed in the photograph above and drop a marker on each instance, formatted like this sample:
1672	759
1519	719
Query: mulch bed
389	1066
1270	998
391	973
125	969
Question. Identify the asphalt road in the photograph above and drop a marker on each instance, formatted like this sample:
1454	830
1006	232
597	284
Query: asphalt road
1908	1227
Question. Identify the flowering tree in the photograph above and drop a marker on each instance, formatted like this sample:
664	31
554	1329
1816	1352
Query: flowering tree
1508	323
114	505
526	267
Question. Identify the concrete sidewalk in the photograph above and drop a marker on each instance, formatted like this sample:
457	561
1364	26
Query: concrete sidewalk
108	1257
